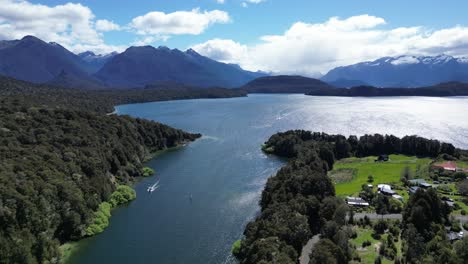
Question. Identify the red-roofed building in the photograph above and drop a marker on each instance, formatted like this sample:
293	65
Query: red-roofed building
448	166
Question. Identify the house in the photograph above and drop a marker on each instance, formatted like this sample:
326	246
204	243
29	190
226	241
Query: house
425	185
448	201
417	182
385	189
413	190
356	201
447	166
452	236
382	158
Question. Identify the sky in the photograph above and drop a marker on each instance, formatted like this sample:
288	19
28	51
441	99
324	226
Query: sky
305	37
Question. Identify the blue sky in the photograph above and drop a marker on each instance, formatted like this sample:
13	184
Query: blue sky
285	36
275	16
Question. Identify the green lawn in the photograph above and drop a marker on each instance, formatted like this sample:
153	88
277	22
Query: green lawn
383	172
369	253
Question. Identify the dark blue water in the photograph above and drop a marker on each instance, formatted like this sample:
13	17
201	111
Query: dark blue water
225	171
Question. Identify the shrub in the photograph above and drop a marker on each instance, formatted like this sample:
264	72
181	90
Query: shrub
147	171
122	195
366	243
101	219
235	250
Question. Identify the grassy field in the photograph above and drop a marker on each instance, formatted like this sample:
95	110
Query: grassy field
369	254
382	172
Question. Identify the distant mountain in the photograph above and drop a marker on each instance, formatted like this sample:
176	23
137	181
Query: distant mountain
34	60
67	80
140	66
404	71
284	84
440	90
95	62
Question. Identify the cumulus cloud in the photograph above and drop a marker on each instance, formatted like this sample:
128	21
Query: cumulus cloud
313	49
192	22
71	25
147	40
106	25
220	1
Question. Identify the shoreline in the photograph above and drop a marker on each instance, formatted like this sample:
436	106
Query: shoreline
68	249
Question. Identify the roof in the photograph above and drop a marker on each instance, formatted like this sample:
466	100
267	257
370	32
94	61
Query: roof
448	165
384	186
397	196
413	189
425	185
388	191
417	181
356	201
454	236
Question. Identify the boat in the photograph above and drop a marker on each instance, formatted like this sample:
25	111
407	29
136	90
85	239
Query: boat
153	187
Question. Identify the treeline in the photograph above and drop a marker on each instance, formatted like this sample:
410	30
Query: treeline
441	90
288	143
57	166
102	101
425	224
299	201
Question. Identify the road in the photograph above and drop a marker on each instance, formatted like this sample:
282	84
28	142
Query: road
373	216
307	249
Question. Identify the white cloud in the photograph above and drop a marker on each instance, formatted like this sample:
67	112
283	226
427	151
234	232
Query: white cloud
147	40
71	25
106	25
220	1
181	22
313	49
255	1
244	4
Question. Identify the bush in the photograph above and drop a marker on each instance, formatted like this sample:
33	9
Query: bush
147	171
101	219
122	195
235	250
366	243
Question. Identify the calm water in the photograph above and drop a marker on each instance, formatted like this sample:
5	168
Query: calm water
225	171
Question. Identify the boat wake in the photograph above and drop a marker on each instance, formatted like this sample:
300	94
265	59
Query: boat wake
153	187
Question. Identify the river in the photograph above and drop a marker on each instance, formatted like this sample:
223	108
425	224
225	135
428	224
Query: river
225	170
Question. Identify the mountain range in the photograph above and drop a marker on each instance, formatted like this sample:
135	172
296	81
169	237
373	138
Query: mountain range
402	71
140	66
31	59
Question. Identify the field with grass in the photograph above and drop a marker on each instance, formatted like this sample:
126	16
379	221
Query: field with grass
350	174
369	253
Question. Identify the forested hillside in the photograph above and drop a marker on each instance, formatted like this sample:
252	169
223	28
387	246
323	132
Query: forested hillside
58	165
103	101
299	201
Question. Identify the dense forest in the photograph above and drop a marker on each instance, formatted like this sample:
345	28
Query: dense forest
103	101
58	165
440	90
299	201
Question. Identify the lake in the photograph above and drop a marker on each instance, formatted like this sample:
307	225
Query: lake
225	171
